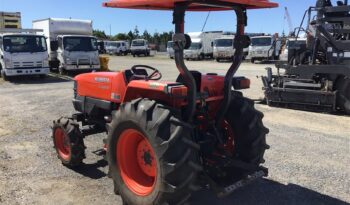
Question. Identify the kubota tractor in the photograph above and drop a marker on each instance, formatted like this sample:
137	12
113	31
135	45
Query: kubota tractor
169	139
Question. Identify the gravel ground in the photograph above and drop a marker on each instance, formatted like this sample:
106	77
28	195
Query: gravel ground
308	160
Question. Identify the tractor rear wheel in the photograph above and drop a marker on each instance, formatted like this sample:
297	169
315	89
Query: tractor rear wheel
152	157
68	142
343	87
249	133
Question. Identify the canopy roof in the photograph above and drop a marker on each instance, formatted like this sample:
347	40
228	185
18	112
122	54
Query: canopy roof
197	5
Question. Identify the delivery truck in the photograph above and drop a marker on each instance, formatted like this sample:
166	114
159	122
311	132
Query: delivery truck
265	48
23	52
70	43
202	45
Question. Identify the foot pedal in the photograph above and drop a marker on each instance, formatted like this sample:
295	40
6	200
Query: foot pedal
100	152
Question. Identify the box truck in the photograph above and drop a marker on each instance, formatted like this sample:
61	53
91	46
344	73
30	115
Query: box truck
202	45
223	47
23	52
264	48
71	44
140	47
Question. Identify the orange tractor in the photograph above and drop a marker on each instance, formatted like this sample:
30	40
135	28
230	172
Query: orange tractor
169	139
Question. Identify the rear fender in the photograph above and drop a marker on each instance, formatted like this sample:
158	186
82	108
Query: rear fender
172	94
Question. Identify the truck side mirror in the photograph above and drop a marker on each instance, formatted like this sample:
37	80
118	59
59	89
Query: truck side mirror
212	44
54	45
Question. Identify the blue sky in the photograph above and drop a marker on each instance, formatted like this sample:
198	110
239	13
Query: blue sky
123	20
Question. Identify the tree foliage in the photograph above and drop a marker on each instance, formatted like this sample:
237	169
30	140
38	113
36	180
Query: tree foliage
155	38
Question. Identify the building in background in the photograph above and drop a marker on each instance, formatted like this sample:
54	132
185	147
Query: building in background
10	20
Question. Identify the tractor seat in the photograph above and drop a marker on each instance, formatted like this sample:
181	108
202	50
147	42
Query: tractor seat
129	75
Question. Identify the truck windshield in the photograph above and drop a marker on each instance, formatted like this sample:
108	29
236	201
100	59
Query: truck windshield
21	44
138	43
261	41
195	46
224	43
170	44
80	44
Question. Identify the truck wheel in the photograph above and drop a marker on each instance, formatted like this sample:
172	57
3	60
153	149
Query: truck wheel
218	60
152	158
68	142
4	76
343	87
62	71
252	60
248	132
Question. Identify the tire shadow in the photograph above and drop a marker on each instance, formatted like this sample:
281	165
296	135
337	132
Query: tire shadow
267	192
92	170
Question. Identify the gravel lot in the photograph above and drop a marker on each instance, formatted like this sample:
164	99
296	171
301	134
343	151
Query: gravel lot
308	161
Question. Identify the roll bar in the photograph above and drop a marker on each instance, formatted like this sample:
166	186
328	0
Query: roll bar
180	40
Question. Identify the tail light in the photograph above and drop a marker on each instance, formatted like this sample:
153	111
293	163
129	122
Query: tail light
177	90
240	83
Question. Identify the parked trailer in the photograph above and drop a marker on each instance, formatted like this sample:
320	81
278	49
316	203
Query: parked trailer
23	52
202	45
71	44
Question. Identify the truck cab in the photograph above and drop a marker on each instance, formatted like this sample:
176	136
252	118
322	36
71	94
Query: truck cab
223	48
78	52
23	54
264	48
202	45
71	44
140	47
195	51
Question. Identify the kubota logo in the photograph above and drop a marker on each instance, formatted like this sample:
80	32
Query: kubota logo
101	79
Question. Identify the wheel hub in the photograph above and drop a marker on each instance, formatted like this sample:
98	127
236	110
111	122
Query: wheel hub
62	143
137	162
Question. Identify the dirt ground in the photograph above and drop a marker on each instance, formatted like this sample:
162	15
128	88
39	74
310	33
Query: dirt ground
308	161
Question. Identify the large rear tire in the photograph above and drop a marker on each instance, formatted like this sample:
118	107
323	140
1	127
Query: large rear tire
68	142
343	87
249	133
152	157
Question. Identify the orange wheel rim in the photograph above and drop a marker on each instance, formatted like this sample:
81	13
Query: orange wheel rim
62	143
137	162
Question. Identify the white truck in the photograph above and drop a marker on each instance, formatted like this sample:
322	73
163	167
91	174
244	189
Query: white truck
140	47
223	48
264	48
22	52
71	44
202	45
116	47
170	49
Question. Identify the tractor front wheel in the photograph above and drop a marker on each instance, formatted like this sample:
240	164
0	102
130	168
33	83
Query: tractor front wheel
152	157
68	142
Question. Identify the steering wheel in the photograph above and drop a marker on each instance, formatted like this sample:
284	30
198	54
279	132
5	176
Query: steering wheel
155	75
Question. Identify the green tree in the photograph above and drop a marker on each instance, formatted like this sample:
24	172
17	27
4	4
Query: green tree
136	32
130	36
100	34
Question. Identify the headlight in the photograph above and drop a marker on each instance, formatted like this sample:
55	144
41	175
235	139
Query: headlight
8	62
45	63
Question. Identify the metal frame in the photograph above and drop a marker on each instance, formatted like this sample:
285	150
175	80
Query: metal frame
180	42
